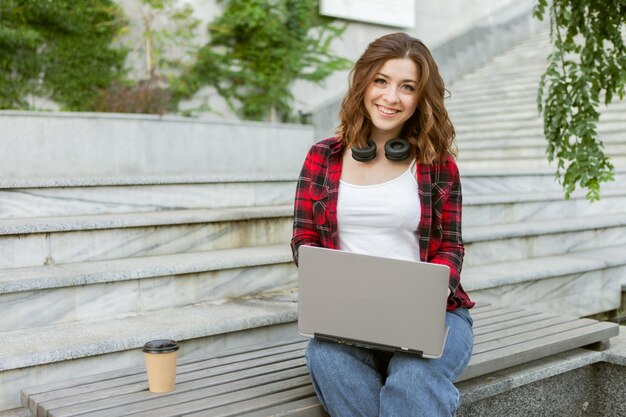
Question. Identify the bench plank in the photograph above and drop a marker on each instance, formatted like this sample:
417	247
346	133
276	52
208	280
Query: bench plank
307	407
181	401
535	319
262	403
484	363
502	342
272	379
521	328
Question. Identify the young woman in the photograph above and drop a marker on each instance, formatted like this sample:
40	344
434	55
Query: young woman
364	192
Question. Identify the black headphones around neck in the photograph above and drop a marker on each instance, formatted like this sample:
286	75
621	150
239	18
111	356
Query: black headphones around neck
397	149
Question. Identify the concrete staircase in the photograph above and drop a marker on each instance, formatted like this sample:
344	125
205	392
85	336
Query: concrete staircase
525	244
96	262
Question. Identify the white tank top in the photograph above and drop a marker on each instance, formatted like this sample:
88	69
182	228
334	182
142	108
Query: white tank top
380	219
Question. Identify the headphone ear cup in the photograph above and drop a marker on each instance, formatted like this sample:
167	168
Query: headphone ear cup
365	154
397	149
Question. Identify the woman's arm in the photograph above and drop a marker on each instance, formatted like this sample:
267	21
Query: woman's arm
451	249
304	230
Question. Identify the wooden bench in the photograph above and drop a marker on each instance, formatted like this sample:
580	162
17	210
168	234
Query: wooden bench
272	380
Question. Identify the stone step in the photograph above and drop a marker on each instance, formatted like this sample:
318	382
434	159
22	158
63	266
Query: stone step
504	84
47	354
90	290
511	64
534	128
500	80
498	102
470	117
610	121
495	112
523	143
529	152
580	283
490	209
519	180
517	241
86	196
618	160
60	240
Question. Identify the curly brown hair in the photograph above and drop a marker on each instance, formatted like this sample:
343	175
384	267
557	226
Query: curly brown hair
429	130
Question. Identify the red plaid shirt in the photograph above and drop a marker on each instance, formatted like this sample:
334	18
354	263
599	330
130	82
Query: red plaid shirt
439	230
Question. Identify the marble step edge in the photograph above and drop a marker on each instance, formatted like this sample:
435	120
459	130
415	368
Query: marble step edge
617	157
526	229
479	277
490	99
524	76
535	132
38	278
524	149
608	120
499	110
525	142
45	345
515	172
499	81
471	200
8	183
19	226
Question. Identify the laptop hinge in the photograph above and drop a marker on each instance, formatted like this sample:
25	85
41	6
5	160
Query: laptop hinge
367	345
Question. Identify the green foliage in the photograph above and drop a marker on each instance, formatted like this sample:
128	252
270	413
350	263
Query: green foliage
588	61
61	49
258	48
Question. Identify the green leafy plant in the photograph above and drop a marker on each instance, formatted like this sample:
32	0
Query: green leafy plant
588	61
258	48
58	49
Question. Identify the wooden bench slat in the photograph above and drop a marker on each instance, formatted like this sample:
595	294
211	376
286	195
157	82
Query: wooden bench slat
503	325
187	382
505	317
490	311
217	394
306	407
522	328
205	404
503	342
481	364
264	404
480	305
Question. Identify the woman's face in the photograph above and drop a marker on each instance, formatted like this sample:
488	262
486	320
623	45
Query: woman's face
391	98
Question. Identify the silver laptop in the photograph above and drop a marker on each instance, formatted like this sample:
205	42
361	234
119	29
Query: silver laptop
373	302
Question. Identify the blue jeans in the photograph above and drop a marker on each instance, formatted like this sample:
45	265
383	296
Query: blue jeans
352	381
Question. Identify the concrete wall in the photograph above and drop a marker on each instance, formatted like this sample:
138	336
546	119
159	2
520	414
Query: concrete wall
68	145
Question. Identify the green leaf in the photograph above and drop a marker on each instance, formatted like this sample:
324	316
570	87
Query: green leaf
588	59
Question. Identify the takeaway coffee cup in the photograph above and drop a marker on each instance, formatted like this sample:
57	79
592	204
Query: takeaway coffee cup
160	358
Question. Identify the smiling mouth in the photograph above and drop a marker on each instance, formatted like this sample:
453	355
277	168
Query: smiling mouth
386	110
